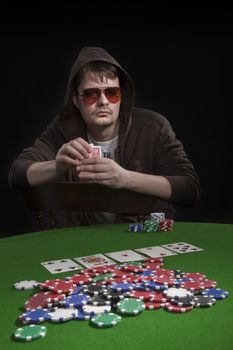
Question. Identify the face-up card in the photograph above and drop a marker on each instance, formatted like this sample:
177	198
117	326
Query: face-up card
95	151
125	255
182	247
62	265
155	252
94	260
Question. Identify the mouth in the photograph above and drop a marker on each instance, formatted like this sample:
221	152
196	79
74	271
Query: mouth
103	113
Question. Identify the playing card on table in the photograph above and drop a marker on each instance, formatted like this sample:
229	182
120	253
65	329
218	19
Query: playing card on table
155	252
95	151
125	255
62	265
182	247
94	260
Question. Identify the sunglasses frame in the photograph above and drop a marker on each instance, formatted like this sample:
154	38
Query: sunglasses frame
92	95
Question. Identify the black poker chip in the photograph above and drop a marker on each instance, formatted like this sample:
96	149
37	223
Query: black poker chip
187	301
203	301
94	289
99	300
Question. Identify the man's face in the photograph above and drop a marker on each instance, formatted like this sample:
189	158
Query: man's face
101	113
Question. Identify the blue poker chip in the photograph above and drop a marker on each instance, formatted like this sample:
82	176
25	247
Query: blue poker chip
216	293
35	316
77	290
146	273
81	316
152	285
122	287
76	300
136	227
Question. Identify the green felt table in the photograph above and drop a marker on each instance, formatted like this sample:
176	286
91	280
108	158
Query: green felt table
209	328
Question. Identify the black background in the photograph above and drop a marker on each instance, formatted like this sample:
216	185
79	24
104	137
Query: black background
180	59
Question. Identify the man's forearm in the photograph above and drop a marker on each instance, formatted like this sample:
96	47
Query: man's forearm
154	185
40	173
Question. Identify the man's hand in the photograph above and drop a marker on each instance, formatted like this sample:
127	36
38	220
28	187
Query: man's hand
103	171
71	153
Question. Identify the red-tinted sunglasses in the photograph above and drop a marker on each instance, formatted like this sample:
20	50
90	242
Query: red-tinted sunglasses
90	96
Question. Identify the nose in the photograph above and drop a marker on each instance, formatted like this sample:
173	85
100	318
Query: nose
102	100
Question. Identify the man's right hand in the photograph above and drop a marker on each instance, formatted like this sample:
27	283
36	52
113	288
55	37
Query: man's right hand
71	153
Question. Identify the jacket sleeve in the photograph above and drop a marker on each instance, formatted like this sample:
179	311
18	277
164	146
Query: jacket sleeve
45	148
172	162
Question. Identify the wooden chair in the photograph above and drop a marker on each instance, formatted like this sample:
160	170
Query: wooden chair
81	196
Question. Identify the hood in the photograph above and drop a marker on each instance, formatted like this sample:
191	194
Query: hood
90	54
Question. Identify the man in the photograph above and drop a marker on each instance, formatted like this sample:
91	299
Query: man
140	149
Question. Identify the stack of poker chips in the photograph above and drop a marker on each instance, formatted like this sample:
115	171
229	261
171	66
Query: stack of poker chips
103	294
156	223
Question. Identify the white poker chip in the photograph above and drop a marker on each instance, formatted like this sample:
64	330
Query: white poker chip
95	310
26	284
179	293
62	314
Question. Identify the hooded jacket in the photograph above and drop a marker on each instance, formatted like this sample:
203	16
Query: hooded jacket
147	143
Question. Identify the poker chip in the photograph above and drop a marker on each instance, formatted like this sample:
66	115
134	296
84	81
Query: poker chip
79	279
94	289
95	310
81	316
25	285
60	315
37	301
216	293
151	225
99	300
35	316
122	287
159	216
131	307
153	306
135	227
179	293
113	295
176	308
187	301
106	320
76	300
31	332
203	301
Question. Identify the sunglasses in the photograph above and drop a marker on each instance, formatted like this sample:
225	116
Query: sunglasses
91	96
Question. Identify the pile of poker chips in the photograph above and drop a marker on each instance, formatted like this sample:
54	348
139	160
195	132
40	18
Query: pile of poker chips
156	223
105	294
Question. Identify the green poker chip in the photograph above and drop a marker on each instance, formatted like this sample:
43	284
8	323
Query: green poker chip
105	320
102	277
131	307
31	332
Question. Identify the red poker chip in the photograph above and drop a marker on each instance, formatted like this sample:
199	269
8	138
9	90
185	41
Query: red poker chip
158	297
193	285
79	279
141	294
59	286
152	266
133	268
153	260
167	280
153	306
176	308
209	283
195	275
37	301
165	272
103	269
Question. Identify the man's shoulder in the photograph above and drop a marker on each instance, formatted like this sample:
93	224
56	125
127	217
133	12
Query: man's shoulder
144	116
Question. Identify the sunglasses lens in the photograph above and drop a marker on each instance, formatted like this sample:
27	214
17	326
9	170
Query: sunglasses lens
90	96
113	94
